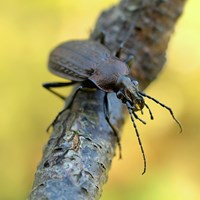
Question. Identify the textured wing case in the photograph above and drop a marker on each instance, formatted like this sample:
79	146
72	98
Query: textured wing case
77	60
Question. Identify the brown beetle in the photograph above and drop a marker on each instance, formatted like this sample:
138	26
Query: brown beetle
93	64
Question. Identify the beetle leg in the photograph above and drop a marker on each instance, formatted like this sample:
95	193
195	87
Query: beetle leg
101	37
107	110
119	51
48	86
129	60
69	103
55	120
71	98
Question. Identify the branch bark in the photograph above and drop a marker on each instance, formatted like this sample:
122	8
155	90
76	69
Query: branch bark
79	153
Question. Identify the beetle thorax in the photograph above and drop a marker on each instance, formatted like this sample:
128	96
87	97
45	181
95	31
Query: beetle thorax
128	93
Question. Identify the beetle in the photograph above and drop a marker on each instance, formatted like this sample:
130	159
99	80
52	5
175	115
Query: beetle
92	64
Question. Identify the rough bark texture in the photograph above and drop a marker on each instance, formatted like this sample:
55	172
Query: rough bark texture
75	167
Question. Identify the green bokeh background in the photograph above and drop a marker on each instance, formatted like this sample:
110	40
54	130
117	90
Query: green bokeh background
29	30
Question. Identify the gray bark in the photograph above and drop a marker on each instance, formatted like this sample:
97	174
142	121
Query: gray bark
79	153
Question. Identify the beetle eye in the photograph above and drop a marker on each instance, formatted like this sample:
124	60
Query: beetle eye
120	95
135	83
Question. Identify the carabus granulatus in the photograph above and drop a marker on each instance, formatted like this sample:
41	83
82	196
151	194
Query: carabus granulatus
92	64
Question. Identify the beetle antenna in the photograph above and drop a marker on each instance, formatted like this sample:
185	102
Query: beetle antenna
150	113
164	106
136	117
138	137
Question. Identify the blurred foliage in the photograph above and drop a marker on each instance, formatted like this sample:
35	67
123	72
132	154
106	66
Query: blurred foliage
29	30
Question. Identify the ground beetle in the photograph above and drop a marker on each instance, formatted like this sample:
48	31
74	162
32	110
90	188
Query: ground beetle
92	64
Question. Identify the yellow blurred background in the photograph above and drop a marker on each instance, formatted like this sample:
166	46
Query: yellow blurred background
29	30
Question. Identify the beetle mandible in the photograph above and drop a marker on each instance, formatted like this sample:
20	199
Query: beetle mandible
92	64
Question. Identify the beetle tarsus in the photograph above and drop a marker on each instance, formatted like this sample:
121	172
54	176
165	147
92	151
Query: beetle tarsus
56	119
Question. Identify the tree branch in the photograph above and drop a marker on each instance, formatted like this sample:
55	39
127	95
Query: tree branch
79	153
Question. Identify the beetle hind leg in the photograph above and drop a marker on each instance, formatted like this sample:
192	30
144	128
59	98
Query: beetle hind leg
69	103
56	119
51	85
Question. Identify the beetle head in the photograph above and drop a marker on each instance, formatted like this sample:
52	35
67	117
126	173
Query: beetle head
129	93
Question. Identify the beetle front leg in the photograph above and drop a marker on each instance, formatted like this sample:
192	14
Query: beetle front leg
107	111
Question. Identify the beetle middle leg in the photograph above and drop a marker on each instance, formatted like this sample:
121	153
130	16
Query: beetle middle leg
101	37
129	58
107	110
